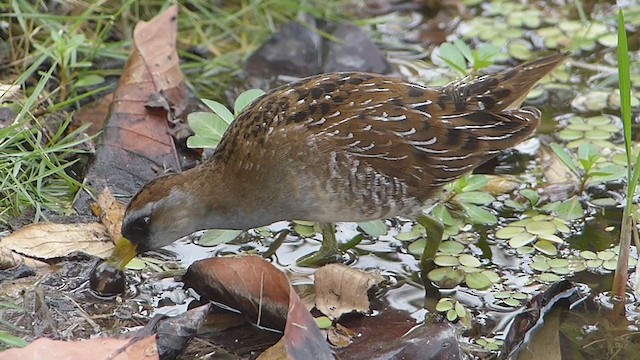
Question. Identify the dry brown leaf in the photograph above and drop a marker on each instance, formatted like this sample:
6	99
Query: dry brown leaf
341	289
111	212
136	144
10	259
95	349
501	184
263	294
49	240
340	336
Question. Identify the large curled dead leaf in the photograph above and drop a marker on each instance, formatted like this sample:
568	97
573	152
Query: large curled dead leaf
341	289
96	349
110	211
263	294
136	143
50	240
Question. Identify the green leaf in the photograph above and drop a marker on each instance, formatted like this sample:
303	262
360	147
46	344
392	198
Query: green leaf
474	197
475	182
375	228
530	195
478	281
444	305
479	215
509	232
454	58
245	99
464	49
484	56
570	209
217	237
219	110
446	277
208	128
565	158
323	322
9	340
88	80
441	213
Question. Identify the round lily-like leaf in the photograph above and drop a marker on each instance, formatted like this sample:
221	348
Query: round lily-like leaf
594	263
542	217
519	296
523	222
468	269
525	250
492	276
477	281
541	228
609	40
519	49
577	265
451	247
446	260
588	255
417	247
522	239
610	264
469	260
509	232
597	135
570	135
460	311
512	302
548	277
561	225
540	265
554	263
606	255
580	126
546	247
502	295
552	238
452	315
446	277
444	305
561	271
599	120
409	235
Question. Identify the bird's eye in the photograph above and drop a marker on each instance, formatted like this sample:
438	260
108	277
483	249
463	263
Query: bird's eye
136	230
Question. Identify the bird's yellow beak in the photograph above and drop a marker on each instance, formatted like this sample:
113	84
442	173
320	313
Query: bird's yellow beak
124	251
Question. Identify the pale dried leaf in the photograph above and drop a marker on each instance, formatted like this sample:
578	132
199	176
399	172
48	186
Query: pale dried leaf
10	259
111	212
101	348
501	184
49	240
341	289
555	171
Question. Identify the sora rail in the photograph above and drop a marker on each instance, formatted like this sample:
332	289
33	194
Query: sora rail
338	147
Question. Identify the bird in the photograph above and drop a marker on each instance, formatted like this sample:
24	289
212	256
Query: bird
338	147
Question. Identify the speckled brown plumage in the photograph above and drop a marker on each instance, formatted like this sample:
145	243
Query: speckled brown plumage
343	147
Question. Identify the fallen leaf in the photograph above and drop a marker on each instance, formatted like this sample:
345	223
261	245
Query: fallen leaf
501	184
340	336
341	289
264	295
50	240
111	212
136	144
95	349
9	259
